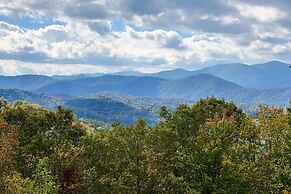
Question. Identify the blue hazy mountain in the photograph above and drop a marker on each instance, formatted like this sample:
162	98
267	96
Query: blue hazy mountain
25	82
131	85
277	75
204	85
129	73
260	83
89	75
172	74
152	92
196	87
69	77
75	76
260	76
190	88
269	75
241	74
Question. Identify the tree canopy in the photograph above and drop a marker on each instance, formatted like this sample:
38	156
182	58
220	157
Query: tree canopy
211	147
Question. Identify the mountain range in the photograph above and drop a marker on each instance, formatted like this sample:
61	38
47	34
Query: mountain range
246	85
25	82
268	75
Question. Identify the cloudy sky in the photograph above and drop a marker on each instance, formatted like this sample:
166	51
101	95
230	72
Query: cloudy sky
78	36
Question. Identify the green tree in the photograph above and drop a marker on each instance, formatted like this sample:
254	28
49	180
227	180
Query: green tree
42	181
8	150
45	133
187	121
3	103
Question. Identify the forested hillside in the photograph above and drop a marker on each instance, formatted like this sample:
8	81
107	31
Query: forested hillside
104	107
210	147
44	100
109	110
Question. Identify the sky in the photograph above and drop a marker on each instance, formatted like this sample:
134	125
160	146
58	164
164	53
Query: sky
88	36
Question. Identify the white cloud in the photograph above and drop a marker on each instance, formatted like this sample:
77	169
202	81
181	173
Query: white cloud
225	20
12	67
12	38
162	35
261	13
271	31
78	41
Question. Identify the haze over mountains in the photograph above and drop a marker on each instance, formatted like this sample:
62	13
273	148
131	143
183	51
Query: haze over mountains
25	82
268	75
130	85
247	85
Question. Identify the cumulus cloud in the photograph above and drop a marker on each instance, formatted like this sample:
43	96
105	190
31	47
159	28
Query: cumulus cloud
260	13
12	67
157	35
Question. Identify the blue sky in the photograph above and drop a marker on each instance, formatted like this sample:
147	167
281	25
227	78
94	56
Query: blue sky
77	36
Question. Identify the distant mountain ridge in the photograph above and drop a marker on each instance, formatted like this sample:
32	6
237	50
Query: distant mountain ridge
268	75
190	88
261	83
201	85
131	85
172	74
196	87
260	76
25	82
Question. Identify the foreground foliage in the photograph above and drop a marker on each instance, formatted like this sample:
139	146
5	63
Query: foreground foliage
211	147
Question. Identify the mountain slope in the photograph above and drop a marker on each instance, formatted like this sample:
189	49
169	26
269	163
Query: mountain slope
269	75
44	100
240	74
205	85
277	75
25	82
108	110
260	76
131	85
172	74
101	108
69	77
128	73
127	109
196	87
189	88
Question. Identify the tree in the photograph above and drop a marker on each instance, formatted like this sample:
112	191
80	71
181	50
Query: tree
42	181
8	150
211	147
186	121
3	103
44	133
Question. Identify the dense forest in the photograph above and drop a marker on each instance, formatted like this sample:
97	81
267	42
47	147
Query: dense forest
210	147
